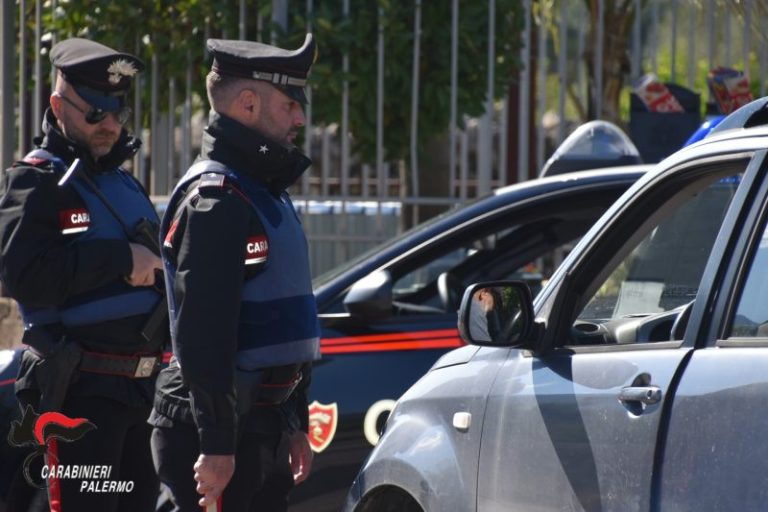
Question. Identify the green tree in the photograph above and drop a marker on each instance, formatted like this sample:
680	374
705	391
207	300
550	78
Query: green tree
174	32
357	37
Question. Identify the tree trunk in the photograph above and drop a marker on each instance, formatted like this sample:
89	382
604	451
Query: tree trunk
618	18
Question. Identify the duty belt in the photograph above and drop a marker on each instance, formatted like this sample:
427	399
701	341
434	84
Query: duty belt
136	366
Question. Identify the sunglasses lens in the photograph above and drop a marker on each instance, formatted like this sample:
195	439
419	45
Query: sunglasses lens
95	116
123	115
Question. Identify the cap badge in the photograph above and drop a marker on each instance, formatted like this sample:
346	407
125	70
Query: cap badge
263	148
120	68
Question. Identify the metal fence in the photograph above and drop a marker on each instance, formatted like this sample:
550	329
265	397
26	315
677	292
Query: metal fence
362	203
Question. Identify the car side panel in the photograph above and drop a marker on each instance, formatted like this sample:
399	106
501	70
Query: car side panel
421	451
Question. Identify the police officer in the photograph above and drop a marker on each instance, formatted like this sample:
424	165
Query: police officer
231	408
72	255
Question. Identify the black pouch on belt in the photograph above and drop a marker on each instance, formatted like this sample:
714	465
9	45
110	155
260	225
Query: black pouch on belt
269	386
278	384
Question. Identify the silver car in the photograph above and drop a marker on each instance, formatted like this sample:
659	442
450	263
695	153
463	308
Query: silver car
637	380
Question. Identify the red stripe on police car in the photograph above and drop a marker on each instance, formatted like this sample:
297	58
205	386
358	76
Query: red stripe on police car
75	220
256	249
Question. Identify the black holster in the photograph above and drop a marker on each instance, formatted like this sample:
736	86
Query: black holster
157	321
54	372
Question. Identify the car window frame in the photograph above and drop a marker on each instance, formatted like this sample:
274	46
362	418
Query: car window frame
600	251
752	222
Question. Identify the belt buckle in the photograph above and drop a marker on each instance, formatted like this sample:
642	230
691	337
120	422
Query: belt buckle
145	367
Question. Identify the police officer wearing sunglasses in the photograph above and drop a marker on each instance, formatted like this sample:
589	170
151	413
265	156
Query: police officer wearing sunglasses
84	284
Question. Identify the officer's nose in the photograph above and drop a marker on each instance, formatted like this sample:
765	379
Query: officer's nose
299	119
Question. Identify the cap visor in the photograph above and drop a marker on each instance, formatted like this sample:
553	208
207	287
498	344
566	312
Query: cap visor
295	93
99	100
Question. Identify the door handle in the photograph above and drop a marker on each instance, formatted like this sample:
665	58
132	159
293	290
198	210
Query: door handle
643	394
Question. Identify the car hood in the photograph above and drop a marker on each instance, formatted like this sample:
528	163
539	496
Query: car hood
460	355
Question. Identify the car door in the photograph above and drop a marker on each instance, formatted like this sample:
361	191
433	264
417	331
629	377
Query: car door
715	456
576	428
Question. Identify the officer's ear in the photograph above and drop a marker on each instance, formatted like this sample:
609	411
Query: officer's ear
56	104
249	103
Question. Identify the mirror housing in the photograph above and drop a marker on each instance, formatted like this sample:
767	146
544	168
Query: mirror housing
371	296
496	314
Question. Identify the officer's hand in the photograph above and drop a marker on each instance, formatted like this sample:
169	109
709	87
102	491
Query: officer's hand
144	264
300	456
213	473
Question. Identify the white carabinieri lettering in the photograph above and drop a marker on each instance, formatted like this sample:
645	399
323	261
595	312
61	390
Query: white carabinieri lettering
256	250
74	221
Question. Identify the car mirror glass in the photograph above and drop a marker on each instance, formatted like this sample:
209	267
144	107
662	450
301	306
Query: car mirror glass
495	313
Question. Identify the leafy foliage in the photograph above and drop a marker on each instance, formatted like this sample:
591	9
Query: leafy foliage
357	36
175	32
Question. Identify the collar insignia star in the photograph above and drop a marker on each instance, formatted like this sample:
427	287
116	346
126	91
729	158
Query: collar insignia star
263	148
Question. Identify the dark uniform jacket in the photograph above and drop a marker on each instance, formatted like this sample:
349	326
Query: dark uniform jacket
225	220
43	267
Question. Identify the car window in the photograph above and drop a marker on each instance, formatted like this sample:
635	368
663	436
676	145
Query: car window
338	270
491	257
417	279
660	274
751	319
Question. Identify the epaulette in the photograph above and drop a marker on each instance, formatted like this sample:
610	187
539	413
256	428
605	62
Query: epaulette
42	160
219	180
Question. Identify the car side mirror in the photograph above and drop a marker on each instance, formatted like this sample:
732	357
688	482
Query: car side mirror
497	314
371	296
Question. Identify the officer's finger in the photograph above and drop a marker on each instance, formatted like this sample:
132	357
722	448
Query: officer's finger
203	487
210	499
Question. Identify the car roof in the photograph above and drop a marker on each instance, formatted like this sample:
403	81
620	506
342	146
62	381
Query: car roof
591	175
748	139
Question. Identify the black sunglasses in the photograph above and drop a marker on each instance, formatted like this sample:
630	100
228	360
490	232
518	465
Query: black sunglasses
97	115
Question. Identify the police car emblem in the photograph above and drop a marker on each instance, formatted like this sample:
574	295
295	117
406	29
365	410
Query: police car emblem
256	249
322	425
75	220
